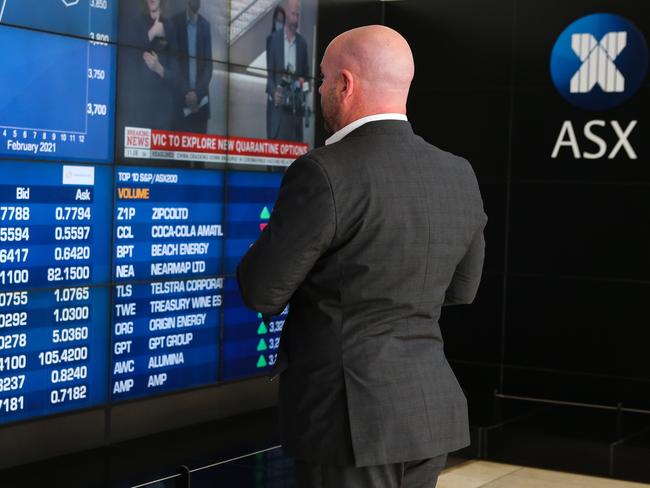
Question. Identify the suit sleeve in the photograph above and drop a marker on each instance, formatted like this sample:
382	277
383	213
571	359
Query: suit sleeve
467	275
300	230
172	68
270	66
304	69
203	83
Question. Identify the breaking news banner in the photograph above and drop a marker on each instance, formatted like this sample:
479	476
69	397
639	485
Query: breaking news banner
143	143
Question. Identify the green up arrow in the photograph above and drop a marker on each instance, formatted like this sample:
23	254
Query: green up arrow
261	346
262	329
261	362
266	215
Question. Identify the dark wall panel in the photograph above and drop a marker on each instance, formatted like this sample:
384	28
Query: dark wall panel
456	43
473	333
578	326
582	229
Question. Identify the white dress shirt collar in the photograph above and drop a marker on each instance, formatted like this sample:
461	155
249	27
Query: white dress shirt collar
340	134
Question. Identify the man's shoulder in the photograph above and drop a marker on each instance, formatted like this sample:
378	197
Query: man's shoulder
445	158
202	22
359	148
300	39
277	36
441	153
323	153
180	19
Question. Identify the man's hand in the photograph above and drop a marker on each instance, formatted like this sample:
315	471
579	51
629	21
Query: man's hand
152	62
278	96
192	101
156	30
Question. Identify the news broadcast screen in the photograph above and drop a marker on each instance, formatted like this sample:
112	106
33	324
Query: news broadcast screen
189	105
142	144
271	99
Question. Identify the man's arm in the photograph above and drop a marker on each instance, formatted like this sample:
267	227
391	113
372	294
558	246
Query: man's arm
271	68
467	276
203	83
300	230
304	62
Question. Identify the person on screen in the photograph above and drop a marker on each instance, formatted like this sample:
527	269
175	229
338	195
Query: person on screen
370	236
279	18
147	68
195	69
288	67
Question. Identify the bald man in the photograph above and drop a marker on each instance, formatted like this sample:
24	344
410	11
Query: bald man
286	60
370	236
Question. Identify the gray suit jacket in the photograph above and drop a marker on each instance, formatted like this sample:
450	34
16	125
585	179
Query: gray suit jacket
368	239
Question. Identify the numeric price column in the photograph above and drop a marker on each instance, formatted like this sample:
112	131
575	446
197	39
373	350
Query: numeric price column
53	320
251	344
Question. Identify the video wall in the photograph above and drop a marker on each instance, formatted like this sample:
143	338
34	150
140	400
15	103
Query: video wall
142	146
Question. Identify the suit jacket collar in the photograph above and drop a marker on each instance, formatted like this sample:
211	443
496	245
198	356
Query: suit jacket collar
382	127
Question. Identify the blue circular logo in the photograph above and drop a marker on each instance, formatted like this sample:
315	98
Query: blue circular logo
599	61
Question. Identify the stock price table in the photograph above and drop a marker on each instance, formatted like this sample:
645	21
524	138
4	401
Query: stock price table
53	316
250	343
167	299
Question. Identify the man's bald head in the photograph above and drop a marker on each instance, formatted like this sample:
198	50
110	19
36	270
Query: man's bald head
372	68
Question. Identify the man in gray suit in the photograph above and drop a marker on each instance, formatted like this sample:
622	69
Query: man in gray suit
370	236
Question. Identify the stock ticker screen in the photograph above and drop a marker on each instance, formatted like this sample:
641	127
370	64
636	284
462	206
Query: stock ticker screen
57	96
167	254
250	344
53	308
126	205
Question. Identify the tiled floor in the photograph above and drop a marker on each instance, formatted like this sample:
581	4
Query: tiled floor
484	474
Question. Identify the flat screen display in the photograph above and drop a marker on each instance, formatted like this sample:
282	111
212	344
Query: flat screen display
168	235
92	19
142	147
57	97
54	298
250	341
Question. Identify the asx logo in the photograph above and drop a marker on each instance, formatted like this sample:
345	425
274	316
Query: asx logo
598	65
599	61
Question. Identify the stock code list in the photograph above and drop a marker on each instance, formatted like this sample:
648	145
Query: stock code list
167	259
53	316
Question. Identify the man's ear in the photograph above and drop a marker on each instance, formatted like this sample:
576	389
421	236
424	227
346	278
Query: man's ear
347	84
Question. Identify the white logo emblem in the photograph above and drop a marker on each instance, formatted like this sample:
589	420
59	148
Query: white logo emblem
598	62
